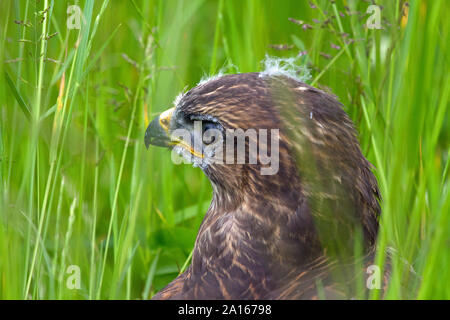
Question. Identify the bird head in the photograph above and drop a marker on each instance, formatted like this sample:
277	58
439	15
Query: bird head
227	126
272	138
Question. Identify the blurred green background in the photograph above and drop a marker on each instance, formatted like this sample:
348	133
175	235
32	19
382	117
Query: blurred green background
79	188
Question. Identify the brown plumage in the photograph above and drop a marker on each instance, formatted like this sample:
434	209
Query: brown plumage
285	236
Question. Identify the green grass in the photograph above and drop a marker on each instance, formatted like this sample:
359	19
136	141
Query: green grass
79	188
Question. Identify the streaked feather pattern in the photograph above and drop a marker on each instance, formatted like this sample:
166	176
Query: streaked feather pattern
289	235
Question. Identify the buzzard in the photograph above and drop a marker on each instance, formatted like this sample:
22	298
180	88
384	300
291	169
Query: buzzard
291	234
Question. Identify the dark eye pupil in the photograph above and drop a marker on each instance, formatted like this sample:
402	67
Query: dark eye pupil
207	126
209	136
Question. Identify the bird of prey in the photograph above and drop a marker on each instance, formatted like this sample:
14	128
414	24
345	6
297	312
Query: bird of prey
287	235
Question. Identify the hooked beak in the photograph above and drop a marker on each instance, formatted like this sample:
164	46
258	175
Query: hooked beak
157	132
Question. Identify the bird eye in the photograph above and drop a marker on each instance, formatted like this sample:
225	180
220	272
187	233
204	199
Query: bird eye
206	125
209	137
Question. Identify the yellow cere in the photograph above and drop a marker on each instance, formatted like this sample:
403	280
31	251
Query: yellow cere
164	119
